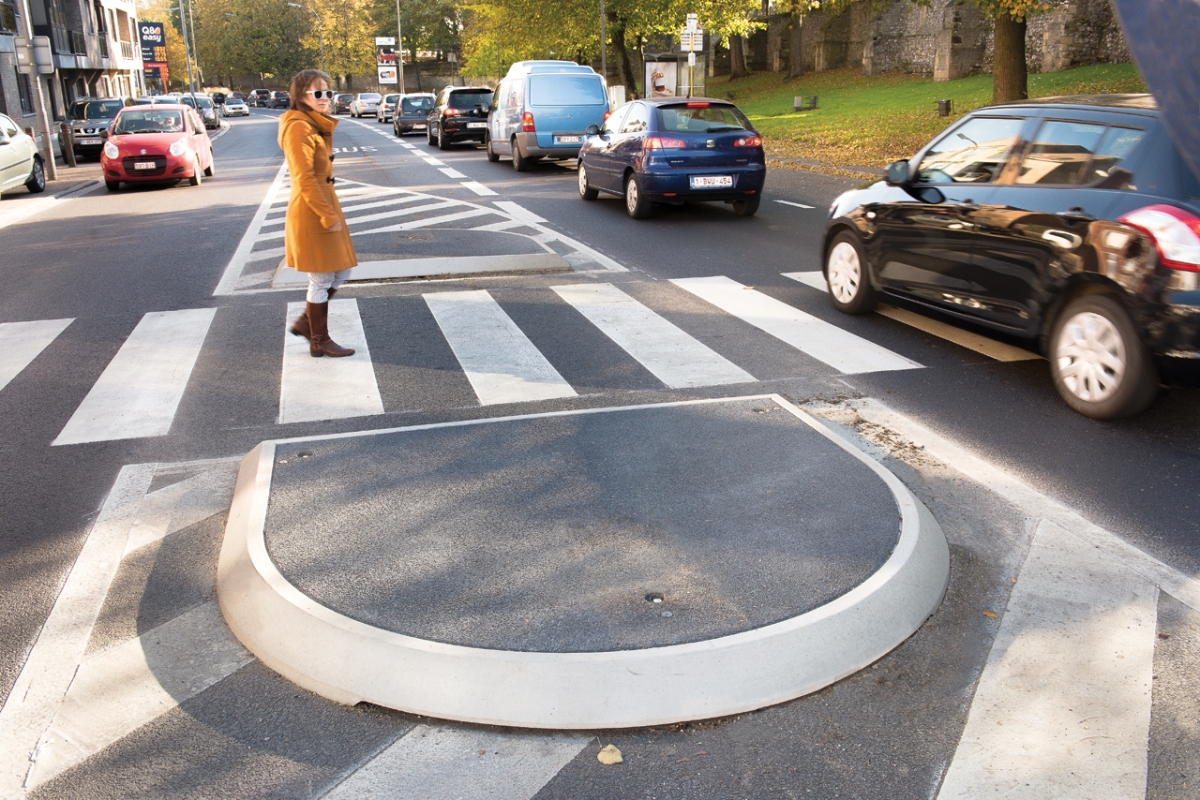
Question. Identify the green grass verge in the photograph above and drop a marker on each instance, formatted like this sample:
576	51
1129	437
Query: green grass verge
872	121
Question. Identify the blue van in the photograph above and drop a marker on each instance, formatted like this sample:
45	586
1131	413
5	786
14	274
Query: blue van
541	110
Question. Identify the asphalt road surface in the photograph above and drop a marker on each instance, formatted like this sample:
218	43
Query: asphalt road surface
146	695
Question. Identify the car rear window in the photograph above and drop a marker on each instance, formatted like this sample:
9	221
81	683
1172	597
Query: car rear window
96	109
368	97
470	99
1074	153
413	105
566	90
150	120
701	117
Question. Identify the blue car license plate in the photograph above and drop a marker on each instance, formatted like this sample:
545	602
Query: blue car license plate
712	181
568	139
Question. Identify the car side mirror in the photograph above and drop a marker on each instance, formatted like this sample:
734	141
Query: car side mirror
898	174
592	130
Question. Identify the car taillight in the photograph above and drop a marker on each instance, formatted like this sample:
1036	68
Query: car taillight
663	143
451	112
697	105
607	114
1175	233
748	141
527	122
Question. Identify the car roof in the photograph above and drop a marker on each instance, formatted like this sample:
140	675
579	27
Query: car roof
666	101
1110	102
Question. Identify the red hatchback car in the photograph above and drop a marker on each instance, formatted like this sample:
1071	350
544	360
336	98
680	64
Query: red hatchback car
157	143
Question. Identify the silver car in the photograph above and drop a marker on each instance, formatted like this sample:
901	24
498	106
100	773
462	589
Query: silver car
364	103
235	108
386	108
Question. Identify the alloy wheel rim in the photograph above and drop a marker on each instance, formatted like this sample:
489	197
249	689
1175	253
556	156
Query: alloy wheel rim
631	196
844	272
582	179
1091	357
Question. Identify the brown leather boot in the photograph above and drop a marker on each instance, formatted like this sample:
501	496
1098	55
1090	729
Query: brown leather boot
300	326
319	343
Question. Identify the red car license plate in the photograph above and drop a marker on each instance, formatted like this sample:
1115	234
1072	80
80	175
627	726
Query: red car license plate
144	165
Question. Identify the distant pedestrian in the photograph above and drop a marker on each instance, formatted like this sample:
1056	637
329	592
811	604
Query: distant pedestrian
316	240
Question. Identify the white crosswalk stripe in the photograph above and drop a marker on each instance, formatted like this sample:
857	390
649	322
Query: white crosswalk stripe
137	394
823	341
329	388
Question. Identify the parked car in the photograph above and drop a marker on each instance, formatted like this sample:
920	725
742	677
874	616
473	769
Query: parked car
1072	223
411	112
218	98
459	115
20	162
542	109
386	108
157	143
260	98
89	118
204	107
671	150
341	103
364	103
280	100
235	108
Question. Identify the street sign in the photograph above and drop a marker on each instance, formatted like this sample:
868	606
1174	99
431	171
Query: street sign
692	22
691	41
24	55
34	55
154	42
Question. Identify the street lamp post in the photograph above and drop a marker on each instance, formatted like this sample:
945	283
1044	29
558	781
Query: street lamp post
187	49
603	46
399	47
320	31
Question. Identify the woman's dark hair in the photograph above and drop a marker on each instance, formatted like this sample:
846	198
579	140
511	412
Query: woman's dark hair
303	81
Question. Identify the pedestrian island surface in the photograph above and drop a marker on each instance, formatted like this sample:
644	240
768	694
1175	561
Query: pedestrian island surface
584	569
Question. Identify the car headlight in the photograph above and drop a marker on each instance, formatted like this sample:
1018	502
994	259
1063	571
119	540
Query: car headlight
112	151
178	147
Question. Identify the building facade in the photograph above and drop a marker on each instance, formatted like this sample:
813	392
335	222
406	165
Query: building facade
97	53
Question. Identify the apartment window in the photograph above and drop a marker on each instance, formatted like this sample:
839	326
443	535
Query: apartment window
25	91
8	17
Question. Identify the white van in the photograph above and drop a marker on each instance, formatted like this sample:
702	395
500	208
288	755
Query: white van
541	110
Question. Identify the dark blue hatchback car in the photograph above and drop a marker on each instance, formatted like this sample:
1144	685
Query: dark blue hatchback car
670	150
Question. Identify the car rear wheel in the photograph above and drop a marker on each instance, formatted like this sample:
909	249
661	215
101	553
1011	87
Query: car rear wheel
520	162
212	166
850	288
37	178
585	189
636	203
492	155
747	207
429	134
442	142
1101	367
197	175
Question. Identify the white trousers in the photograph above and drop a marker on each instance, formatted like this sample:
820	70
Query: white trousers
319	284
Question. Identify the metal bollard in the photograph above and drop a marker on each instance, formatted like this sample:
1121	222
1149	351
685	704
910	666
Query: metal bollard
68	143
797	103
812	103
945	107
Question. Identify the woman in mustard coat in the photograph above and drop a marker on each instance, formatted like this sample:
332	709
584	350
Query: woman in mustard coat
316	239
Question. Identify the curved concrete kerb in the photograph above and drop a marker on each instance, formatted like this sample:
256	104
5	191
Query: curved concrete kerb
349	660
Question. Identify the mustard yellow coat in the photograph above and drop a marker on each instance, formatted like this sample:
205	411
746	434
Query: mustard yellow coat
307	141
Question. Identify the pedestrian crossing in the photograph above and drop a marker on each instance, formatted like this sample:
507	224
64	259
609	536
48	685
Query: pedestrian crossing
140	389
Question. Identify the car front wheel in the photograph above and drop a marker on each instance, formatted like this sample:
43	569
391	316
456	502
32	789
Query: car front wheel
585	189
197	175
850	288
1101	367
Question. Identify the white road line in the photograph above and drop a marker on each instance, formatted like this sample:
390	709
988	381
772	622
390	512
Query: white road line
424	223
501	363
233	270
118	690
790	203
391	201
450	172
434	162
517	211
503	225
479	189
55	656
23	341
137	394
963	338
399	212
838	348
674	357
451	764
1063	706
328	388
18	212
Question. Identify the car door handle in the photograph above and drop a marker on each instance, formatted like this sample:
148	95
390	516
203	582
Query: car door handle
1076	214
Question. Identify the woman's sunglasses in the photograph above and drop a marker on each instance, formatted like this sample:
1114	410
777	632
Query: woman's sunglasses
319	93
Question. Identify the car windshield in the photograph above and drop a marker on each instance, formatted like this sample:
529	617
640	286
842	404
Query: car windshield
204	102
148	121
566	90
701	117
470	99
345	98
413	105
369	98
96	109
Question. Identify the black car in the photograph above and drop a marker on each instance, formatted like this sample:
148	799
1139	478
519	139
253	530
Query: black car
459	116
280	100
412	113
1070	222
341	103
260	98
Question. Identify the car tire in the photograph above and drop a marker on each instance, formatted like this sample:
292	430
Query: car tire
37	178
520	162
442	142
395	130
1100	365
848	276
636	204
211	172
585	189
429	134
747	207
112	186
197	174
492	155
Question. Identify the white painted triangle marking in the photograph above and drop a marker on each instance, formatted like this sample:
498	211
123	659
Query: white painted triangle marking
23	342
